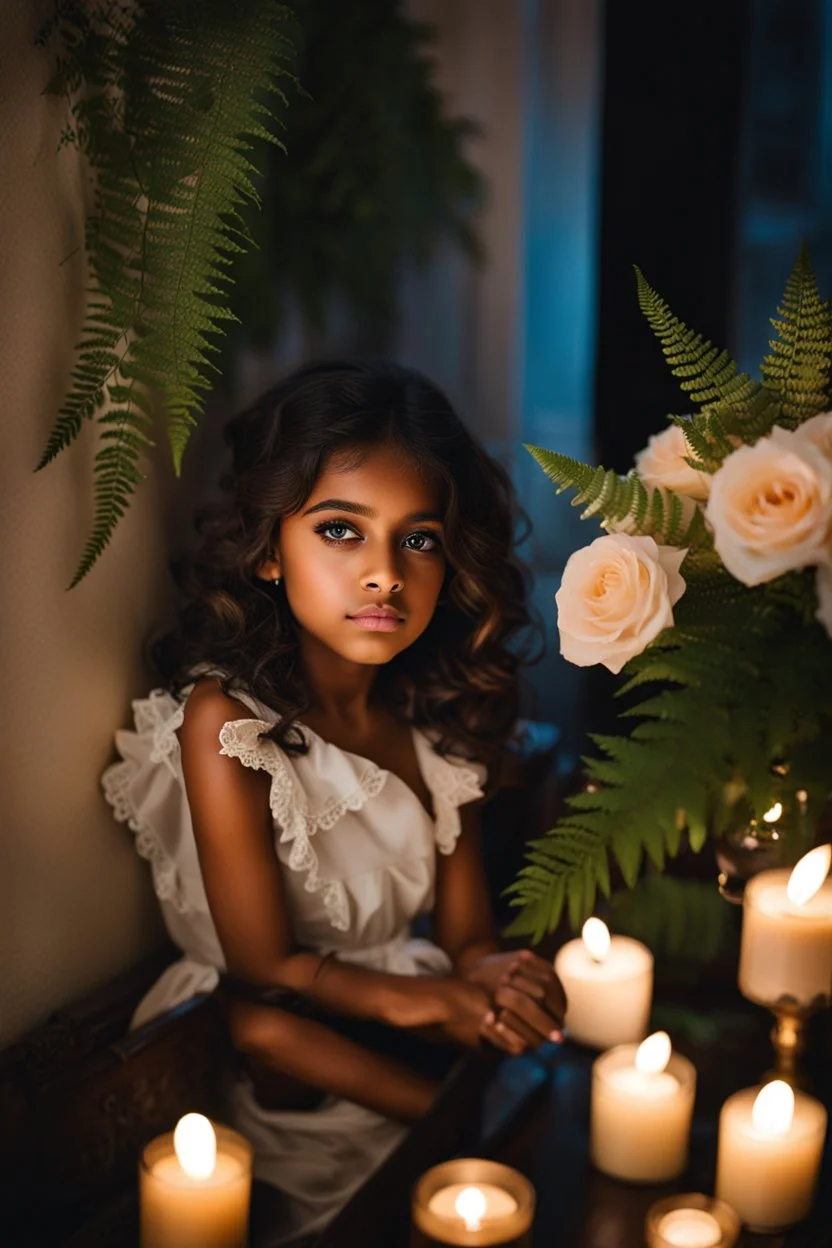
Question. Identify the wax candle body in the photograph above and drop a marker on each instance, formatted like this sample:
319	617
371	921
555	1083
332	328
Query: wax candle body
640	1123
608	1002
786	949
180	1212
769	1180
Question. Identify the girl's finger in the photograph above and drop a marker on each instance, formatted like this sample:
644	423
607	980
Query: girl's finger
533	987
500	1036
547	996
510	1021
522	1005
542	972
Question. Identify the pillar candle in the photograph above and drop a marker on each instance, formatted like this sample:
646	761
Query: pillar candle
641	1109
608	983
195	1187
786	947
769	1154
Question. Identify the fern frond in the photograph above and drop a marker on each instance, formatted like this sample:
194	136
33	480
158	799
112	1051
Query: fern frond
705	372
798	365
658	513
126	438
733	403
167	99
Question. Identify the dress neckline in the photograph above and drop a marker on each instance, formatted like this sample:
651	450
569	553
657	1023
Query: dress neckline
418	739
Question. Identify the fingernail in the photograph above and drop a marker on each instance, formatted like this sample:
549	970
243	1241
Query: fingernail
556	1036
489	1018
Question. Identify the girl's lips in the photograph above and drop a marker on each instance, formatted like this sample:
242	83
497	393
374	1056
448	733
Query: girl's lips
376	623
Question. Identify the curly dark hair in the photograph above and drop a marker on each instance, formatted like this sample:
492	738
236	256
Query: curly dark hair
460	676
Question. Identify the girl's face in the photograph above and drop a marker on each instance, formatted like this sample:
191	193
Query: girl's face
362	561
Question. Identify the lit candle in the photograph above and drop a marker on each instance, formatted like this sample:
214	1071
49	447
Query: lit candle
690	1228
786	948
195	1187
608	983
642	1104
472	1202
691	1220
769	1154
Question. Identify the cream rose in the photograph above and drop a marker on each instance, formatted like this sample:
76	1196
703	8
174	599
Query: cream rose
770	507
818	431
662	465
823	587
615	597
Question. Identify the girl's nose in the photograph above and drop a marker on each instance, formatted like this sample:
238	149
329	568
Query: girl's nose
386	578
382	584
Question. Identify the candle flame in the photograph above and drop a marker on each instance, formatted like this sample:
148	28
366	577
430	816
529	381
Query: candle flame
773	1108
773	813
471	1204
195	1145
808	875
653	1053
596	937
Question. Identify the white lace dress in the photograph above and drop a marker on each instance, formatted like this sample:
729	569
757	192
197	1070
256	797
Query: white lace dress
358	852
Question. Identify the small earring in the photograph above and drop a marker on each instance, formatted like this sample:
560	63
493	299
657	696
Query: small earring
277	580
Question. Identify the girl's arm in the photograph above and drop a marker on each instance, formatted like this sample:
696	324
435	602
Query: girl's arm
524	986
234	834
315	1056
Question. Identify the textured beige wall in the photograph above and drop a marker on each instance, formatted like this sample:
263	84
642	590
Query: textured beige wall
75	901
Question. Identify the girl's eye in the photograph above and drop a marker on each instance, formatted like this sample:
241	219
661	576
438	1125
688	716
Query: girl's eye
335	531
421	542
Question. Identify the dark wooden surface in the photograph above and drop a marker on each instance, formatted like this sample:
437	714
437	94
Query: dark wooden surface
577	1207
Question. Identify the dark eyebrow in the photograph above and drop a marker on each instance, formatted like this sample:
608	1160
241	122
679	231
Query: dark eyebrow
358	509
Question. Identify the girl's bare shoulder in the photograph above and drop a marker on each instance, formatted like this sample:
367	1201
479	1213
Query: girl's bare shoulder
207	710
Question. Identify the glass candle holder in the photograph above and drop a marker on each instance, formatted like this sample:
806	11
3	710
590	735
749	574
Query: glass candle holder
472	1202
177	1211
640	1125
691	1220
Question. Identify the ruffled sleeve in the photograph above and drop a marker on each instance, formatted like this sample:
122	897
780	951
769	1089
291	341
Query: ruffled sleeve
453	782
146	792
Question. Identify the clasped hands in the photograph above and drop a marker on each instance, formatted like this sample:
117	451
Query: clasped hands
521	1000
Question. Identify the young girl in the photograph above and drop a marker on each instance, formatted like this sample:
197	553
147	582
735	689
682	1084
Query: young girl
308	783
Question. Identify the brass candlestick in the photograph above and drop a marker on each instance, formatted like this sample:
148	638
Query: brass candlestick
788	1038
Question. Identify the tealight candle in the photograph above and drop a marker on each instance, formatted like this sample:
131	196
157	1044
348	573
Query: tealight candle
769	1154
473	1202
608	983
195	1187
691	1220
786	948
642	1104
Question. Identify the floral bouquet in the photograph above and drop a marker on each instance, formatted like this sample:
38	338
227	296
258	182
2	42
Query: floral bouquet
711	592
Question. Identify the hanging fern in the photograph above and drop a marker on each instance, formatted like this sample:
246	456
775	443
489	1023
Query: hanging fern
166	99
741	681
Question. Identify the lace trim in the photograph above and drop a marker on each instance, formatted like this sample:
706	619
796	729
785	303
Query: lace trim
116	783
240	738
162	716
452	784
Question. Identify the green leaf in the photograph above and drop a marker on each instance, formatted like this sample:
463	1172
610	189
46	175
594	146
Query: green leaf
798	364
660	514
